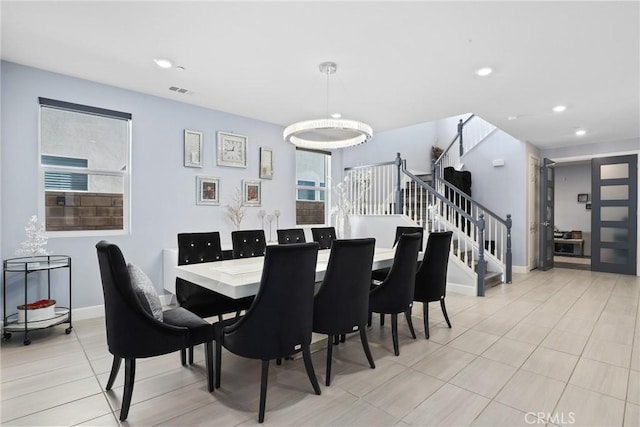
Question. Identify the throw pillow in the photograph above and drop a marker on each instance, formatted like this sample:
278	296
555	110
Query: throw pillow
145	291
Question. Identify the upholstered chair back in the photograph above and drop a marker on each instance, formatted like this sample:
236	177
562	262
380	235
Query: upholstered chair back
248	243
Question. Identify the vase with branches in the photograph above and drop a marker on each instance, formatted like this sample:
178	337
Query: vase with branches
235	211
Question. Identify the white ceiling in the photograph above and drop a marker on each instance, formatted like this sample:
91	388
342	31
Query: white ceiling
399	63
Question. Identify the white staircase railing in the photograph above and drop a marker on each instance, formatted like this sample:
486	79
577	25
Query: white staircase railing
372	189
471	132
382	189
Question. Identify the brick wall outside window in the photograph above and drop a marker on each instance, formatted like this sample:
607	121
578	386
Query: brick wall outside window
68	211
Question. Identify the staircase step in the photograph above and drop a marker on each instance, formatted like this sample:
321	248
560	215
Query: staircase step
492	278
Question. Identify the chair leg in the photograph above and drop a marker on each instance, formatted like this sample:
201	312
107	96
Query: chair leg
444	311
394	334
365	346
208	354
330	343
218	356
183	357
191	355
381	319
279	361
425	318
263	390
308	365
407	315
129	377
369	320
343	337
115	367
336	339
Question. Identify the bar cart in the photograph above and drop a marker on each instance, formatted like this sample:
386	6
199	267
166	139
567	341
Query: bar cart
19	321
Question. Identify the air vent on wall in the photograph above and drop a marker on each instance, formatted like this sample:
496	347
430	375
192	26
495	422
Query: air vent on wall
181	90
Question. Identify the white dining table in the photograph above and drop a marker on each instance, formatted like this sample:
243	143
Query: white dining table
239	278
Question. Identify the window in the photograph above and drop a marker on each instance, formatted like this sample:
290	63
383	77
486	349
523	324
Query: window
84	168
65	180
312	170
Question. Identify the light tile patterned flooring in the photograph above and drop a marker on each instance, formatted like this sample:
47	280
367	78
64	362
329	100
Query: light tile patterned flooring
564	343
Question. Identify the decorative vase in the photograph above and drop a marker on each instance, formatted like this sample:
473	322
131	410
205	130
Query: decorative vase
343	226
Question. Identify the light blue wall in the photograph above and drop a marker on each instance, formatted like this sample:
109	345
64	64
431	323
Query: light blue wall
163	191
502	189
412	142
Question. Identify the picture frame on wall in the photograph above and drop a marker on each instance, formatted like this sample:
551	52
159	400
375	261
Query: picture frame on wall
207	190
266	163
251	192
583	198
232	150
192	149
588	206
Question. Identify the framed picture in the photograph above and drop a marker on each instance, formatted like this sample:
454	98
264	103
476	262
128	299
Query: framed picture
266	163
587	206
207	190
251	192
232	150
192	149
583	198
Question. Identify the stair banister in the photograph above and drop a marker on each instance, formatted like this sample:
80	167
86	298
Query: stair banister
440	197
436	164
494	217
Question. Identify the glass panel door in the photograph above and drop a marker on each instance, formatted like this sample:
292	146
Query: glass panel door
614	213
547	184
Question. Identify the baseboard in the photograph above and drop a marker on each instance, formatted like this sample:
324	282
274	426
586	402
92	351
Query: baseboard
87	312
461	289
520	269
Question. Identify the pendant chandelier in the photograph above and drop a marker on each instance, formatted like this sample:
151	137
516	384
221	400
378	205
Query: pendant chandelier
328	133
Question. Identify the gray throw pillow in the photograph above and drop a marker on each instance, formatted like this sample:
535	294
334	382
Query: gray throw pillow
147	294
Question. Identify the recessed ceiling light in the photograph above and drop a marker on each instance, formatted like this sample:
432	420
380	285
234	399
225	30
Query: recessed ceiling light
485	71
581	132
336	115
163	63
512	117
559	108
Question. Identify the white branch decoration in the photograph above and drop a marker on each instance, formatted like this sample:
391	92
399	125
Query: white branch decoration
235	210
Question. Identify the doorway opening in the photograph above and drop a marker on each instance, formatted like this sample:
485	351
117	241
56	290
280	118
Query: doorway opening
572	215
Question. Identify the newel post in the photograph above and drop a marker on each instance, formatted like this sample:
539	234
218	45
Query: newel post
460	126
398	209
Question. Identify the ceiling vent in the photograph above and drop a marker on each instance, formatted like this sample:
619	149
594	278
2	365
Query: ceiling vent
181	90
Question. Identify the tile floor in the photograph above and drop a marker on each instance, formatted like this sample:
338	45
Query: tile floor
563	343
